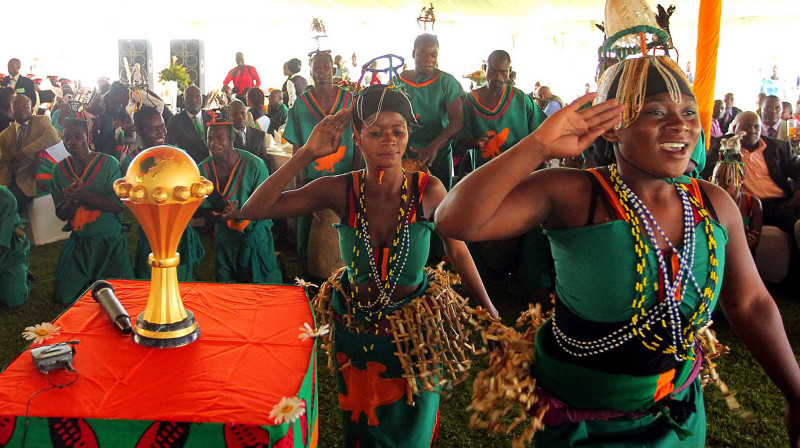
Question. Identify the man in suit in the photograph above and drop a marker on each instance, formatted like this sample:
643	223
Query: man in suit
772	171
730	112
19	83
773	126
187	130
19	144
246	137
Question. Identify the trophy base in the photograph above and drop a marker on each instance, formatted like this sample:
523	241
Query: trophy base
175	334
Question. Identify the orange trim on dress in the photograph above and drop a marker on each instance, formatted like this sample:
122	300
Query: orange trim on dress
610	195
499	101
335	101
85	170
423	84
216	177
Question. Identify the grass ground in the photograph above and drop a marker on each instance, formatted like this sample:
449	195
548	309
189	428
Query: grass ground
738	369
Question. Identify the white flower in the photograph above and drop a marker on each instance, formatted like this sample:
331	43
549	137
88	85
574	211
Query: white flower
308	332
303	284
40	332
288	410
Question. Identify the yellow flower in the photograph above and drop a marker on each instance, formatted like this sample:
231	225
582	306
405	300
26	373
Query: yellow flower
308	332
40	332
288	410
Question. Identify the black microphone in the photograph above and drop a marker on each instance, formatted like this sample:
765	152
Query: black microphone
103	293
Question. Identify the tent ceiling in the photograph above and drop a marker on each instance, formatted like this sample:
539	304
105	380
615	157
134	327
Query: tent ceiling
550	10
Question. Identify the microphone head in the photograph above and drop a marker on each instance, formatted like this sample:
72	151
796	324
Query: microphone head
99	285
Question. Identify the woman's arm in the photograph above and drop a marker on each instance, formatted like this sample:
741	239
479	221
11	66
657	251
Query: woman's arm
270	201
752	312
509	198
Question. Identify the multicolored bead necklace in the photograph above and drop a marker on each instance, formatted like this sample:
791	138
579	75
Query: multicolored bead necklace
637	212
682	338
397	262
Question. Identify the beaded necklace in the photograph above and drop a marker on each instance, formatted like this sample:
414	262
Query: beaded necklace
397	262
667	309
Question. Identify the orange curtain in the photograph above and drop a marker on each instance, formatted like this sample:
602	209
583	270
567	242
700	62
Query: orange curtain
708	24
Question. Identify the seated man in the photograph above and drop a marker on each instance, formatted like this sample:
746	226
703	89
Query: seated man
244	249
772	169
14	250
84	196
19	145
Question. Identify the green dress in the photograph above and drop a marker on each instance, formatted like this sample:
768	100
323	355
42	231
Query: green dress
303	116
429	99
513	118
190	247
372	392
594	299
14	251
96	248
244	250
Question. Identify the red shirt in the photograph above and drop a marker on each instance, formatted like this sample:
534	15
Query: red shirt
243	78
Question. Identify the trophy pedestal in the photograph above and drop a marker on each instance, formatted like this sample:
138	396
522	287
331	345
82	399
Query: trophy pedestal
175	334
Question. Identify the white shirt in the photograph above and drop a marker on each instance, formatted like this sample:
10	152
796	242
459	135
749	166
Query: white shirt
290	89
263	123
199	116
242	134
13	82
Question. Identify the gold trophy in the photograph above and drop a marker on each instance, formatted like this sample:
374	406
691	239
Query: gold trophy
163	188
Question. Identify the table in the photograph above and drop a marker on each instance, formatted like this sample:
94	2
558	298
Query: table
217	391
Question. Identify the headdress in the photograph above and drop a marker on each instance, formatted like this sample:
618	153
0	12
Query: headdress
729	170
215	123
632	30
379	98
426	16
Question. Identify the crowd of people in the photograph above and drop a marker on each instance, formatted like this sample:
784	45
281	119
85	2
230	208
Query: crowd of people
615	221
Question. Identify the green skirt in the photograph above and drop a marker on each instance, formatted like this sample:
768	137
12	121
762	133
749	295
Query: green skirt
582	388
390	368
246	257
85	260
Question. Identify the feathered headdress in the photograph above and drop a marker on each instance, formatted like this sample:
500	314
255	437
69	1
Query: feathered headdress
632	31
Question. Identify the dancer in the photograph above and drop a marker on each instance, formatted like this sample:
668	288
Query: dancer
640	253
397	332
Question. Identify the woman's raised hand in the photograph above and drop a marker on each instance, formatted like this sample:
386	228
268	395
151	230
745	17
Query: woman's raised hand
569	131
327	134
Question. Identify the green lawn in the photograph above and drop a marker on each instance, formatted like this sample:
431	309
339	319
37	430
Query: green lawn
738	369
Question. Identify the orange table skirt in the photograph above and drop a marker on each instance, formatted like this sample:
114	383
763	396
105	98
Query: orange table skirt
247	358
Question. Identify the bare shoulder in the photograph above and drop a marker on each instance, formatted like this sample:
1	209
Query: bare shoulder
434	194
727	211
559	182
568	192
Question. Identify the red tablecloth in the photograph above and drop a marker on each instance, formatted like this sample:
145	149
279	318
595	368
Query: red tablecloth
248	357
